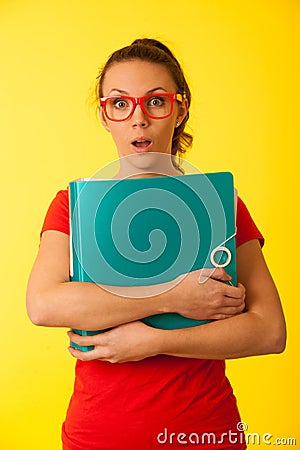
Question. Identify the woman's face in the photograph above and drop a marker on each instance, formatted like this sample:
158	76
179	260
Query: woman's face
141	134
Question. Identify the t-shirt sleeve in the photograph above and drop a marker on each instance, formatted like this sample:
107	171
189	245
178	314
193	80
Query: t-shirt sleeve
246	228
57	216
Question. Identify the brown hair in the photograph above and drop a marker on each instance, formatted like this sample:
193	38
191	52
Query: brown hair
151	50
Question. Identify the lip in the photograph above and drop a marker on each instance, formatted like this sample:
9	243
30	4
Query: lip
142	149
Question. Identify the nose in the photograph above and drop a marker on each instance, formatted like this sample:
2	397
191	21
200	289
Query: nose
139	118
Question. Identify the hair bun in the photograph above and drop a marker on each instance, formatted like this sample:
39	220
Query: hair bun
154	43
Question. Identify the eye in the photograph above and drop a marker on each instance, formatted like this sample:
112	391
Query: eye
120	103
156	101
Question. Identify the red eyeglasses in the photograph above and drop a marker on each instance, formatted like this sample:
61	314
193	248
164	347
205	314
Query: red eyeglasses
122	107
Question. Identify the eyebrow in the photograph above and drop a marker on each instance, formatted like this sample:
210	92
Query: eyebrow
121	91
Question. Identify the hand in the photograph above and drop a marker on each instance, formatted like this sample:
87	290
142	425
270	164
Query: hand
128	342
199	295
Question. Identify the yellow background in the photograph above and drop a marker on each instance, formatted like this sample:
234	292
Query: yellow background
242	62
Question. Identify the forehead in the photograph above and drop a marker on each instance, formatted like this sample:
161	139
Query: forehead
138	77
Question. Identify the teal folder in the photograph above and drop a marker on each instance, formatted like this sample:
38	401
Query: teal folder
148	231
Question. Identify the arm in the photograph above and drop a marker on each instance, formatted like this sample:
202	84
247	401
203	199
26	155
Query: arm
53	300
259	330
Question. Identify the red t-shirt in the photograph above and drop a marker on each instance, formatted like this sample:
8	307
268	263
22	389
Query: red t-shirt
140	405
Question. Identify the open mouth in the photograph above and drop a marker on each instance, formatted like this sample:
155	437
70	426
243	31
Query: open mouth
141	144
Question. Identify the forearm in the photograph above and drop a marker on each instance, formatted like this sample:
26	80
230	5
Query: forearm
90	306
260	330
244	335
53	300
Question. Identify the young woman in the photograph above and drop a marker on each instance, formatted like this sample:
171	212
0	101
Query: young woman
170	388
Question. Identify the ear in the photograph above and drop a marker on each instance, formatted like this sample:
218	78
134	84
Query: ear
102	118
182	111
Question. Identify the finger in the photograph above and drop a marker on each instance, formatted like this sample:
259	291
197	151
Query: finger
96	339
234	291
216	273
232	302
220	274
231	310
85	356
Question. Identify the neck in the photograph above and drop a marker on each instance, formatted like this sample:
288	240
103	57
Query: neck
147	165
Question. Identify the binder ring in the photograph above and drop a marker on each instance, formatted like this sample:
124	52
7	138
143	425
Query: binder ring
220	249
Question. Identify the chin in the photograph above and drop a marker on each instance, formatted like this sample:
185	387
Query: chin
149	162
